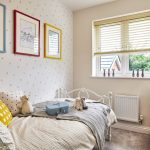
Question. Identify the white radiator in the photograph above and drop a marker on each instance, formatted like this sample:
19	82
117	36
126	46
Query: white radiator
127	107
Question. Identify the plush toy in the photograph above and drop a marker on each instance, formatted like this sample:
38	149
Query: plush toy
78	104
27	107
84	103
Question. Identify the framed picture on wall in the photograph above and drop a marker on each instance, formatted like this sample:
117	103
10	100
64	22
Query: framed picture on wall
26	34
52	42
2	28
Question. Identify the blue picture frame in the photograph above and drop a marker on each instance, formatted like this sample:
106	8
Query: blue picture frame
3	50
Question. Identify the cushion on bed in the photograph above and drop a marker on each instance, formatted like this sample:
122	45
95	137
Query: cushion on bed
13	95
5	114
6	140
12	101
13	106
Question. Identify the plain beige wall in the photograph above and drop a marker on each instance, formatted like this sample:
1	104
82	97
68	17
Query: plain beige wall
83	50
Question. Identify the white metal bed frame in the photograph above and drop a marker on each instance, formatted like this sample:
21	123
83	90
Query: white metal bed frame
105	99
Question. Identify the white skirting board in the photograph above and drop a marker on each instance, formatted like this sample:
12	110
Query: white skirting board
132	127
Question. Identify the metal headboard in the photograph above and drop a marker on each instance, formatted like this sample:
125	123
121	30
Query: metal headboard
106	99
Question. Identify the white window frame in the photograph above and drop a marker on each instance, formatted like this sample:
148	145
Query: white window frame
125	58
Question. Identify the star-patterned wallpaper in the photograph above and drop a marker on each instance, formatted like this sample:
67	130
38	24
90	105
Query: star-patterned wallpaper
38	77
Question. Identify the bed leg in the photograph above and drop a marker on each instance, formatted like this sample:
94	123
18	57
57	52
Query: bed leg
108	136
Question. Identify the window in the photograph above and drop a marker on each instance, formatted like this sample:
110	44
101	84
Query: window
139	61
122	45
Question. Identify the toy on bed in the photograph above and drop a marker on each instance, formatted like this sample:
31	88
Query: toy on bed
80	104
27	107
16	102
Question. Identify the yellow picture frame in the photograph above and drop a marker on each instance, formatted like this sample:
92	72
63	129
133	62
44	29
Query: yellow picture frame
52	42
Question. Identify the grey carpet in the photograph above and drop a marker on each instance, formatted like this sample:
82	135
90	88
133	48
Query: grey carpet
127	140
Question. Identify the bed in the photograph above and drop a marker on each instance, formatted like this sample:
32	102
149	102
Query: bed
41	133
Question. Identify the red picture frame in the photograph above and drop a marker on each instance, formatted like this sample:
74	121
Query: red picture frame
26	34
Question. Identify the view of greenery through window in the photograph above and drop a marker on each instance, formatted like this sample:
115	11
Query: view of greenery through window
139	61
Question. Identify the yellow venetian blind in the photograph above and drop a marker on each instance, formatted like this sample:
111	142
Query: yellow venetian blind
123	34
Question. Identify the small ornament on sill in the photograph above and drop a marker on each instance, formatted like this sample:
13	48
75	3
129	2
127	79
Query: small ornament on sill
113	72
104	72
133	74
142	74
108	72
137	74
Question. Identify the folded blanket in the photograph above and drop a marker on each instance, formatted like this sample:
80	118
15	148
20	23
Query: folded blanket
95	117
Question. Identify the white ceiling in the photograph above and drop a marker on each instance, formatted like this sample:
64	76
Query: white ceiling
81	4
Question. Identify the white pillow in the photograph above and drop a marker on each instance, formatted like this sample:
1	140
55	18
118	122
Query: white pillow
6	140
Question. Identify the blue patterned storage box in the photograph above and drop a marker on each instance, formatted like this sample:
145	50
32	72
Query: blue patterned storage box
55	108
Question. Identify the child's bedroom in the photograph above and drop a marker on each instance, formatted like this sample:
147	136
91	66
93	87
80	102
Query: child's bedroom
74	74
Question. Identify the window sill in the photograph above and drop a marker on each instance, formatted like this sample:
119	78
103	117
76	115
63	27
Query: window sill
122	77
